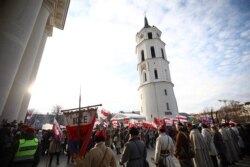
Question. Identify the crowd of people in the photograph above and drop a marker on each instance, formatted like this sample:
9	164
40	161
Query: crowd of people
203	145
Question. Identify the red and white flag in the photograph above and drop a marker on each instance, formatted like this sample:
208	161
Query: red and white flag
105	112
181	118
80	130
115	124
57	130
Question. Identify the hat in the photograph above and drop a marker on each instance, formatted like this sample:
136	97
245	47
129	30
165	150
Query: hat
161	128
189	124
101	134
133	131
30	129
180	124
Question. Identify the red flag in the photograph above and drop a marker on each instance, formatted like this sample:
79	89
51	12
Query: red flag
156	121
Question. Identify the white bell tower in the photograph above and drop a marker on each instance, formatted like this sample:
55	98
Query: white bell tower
156	88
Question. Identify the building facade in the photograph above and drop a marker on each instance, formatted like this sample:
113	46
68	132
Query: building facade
24	28
156	88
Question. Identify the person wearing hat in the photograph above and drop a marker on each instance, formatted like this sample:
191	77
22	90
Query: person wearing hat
135	152
220	146
181	147
208	137
201	157
164	149
100	155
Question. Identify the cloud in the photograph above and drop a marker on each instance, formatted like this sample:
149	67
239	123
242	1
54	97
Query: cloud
207	44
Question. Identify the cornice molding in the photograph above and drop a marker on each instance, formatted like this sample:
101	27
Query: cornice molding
58	10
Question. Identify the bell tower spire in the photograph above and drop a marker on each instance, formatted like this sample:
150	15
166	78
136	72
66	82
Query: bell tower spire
146	25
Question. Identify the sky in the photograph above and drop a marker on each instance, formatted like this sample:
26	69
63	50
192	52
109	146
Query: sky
207	45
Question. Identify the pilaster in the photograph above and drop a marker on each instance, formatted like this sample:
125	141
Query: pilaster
17	19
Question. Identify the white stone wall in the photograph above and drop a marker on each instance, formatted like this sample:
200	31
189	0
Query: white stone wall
152	94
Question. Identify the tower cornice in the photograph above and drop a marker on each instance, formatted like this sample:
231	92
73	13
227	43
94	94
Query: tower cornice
139	64
144	40
154	82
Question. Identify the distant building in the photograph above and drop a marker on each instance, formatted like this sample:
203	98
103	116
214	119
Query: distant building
156	88
38	120
128	116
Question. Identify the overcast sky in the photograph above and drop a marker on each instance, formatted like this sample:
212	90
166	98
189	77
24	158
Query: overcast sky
207	45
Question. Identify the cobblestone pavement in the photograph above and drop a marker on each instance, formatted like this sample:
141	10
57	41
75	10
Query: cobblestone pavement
245	162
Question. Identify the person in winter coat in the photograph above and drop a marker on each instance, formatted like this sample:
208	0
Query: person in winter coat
220	146
232	155
135	151
182	141
208	137
100	155
164	150
54	149
202	158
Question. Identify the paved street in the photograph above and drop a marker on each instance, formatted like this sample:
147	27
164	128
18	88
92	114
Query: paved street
63	160
245	162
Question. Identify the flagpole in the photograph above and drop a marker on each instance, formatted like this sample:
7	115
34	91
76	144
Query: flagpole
79	120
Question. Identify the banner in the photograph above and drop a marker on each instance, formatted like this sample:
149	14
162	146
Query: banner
79	131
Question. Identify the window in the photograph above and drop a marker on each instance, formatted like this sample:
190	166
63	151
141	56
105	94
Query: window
145	77
168	113
156	74
152	51
150	35
167	105
165	91
162	53
142	56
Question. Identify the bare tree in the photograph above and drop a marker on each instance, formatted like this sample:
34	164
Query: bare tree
56	110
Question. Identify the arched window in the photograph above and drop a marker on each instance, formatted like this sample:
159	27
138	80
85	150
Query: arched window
162	54
150	35
165	92
144	75
142	55
152	51
156	74
167	105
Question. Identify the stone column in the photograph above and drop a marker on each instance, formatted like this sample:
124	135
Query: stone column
27	95
21	83
17	19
